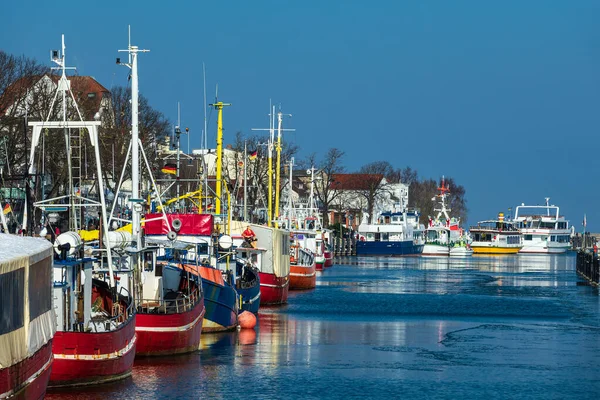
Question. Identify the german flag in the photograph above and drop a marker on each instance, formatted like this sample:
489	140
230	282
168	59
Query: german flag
7	209
253	155
170	169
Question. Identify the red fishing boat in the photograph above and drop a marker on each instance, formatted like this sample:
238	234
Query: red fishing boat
194	234
303	273
171	310
171	307
27	325
95	316
271	257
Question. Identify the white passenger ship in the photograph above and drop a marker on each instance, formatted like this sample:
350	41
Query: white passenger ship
544	230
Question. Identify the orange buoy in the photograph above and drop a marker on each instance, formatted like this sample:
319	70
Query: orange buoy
247	320
247	336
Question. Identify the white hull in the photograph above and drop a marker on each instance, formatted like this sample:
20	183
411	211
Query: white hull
543	249
461	252
435	250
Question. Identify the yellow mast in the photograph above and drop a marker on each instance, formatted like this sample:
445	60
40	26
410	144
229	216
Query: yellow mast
219	107
270	172
277	179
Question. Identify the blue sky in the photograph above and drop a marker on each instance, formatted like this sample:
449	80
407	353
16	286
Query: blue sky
502	96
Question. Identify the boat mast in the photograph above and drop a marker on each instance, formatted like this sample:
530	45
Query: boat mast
64	85
310	198
219	184
270	162
443	194
290	195
135	158
245	177
278	166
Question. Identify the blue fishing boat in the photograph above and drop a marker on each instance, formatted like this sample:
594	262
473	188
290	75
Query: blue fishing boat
248	285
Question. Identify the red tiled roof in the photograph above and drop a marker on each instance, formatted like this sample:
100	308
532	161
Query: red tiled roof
81	86
355	181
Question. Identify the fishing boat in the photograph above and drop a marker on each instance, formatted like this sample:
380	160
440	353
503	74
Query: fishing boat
205	257
170	309
170	301
95	314
306	233
273	260
393	234
443	235
248	286
327	250
28	321
544	230
496	237
303	263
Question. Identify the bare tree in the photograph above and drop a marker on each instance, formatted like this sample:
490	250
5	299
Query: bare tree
324	186
374	183
115	135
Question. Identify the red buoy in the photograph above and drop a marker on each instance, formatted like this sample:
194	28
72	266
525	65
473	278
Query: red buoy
247	320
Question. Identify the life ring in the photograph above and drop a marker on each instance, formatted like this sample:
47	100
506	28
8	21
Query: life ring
362	238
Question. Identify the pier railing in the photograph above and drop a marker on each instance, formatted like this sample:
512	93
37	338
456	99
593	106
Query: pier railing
588	266
170	306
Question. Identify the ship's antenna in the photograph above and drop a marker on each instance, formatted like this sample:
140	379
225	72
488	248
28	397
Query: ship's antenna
204	136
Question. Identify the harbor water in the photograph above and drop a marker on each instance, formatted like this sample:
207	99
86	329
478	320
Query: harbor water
523	327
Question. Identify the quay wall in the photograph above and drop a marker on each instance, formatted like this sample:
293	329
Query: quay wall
588	265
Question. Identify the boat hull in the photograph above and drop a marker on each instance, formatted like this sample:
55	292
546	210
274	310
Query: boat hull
221	304
273	289
319	265
494	250
328	258
385	248
303	277
29	378
533	249
461	252
86	358
435	250
166	334
250	298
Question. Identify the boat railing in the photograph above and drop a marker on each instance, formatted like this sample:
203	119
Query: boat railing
170	306
506	228
119	314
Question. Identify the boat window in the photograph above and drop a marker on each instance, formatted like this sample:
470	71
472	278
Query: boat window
377	237
432	235
483	237
11	300
395	219
385	237
202	248
513	239
40	288
527	237
370	236
148	261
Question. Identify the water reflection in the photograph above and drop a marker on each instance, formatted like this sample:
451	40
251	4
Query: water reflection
397	328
